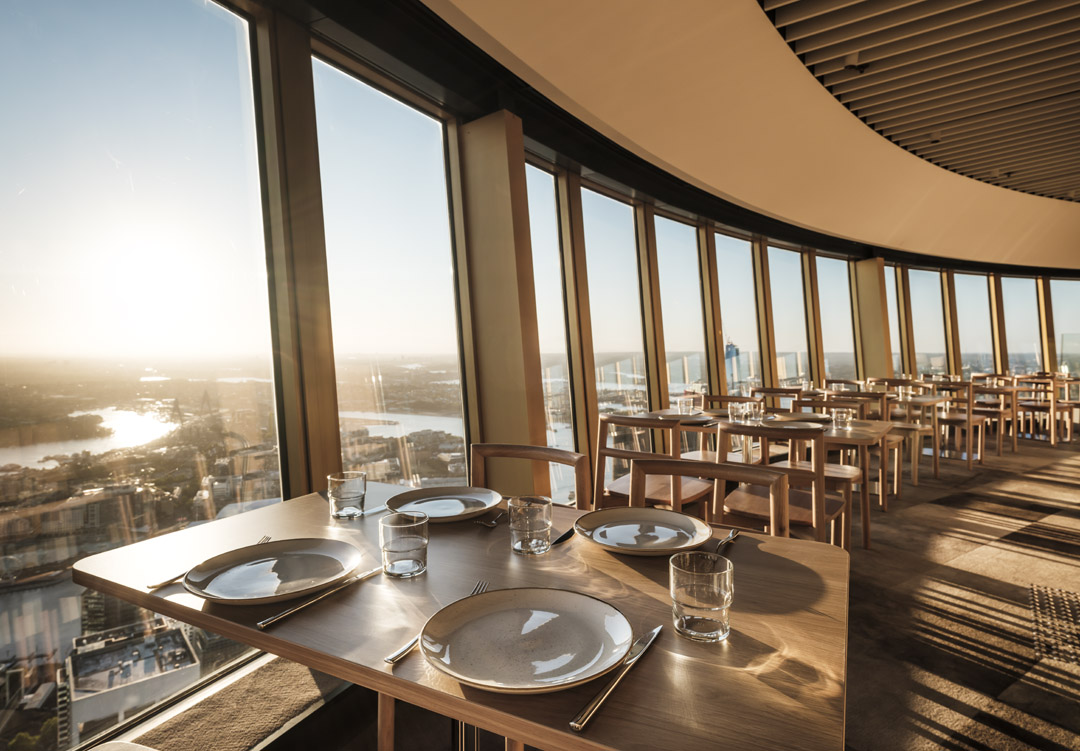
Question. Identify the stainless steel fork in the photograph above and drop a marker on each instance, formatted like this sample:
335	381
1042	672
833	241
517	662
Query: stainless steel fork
264	538
480	588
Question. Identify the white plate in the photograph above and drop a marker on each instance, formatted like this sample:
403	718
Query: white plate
273	571
526	641
642	531
796	424
446	504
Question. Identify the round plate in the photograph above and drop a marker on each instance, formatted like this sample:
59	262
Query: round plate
526	641
642	531
793	424
446	504
817	417
273	571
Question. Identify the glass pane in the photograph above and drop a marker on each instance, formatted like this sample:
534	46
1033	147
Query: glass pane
894	319
738	311
1023	335
1065	297
388	234
837	324
927	321
789	317
680	299
551	323
973	319
615	304
136	375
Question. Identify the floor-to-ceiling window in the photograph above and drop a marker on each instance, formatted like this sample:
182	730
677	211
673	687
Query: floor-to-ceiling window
1065	299
837	323
551	322
1023	339
614	303
136	391
789	317
681	306
973	320
927	321
738	311
894	319
390	267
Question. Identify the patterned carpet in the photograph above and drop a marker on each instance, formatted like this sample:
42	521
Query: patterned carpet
943	651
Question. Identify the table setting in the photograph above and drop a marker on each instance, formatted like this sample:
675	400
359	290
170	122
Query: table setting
542	652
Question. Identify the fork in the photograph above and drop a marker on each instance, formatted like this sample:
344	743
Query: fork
492	522
480	588
171	579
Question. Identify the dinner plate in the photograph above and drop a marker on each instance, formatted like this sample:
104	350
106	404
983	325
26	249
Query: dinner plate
642	531
273	571
445	504
526	641
816	417
793	424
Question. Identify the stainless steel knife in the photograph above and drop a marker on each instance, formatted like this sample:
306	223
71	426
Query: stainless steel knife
636	650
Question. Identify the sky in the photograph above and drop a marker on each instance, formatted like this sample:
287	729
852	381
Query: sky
680	286
789	310
129	188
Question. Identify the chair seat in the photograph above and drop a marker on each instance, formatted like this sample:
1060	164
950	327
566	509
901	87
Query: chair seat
753	502
911	427
1038	406
993	411
658	488
955	418
710	456
832	471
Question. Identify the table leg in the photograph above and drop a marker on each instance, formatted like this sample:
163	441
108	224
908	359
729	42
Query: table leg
883	476
385	732
936	441
864	495
512	745
916	456
1016	420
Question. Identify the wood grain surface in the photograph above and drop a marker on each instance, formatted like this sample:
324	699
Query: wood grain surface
777	683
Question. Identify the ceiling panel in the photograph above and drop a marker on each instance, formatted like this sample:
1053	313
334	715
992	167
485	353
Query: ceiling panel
986	88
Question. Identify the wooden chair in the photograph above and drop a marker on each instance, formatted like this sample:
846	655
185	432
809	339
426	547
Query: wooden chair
959	414
481	452
809	503
1041	404
996	408
832	383
775	484
677	493
774	398
877	408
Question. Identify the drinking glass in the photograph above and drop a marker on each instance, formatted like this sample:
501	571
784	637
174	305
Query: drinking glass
685	404
842	417
530	524
701	594
346	491
403	539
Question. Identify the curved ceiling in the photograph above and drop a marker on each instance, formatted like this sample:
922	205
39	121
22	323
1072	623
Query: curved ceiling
987	88
711	93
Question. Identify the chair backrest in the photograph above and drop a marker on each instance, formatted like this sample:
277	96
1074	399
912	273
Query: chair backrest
1039	389
775	397
725	399
812	437
876	402
832	382
825	405
670	428
481	452
961	397
720	473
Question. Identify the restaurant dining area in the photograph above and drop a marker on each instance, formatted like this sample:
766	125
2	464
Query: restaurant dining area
467	375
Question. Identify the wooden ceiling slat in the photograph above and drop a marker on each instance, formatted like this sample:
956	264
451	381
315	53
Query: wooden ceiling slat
900	67
1006	159
950	25
945	41
944	85
1041	131
1048	168
845	17
807	9
1059	187
940	118
961	95
960	162
999	119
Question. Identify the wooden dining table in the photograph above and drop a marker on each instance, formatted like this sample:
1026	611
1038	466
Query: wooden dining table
778	681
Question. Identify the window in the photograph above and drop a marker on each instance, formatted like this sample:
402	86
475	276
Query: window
894	319
1023	334
136	378
551	323
973	320
615	304
680	298
390	266
927	321
738	311
789	317
1065	297
837	324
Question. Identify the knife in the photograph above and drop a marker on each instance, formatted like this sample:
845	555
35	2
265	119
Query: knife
582	719
564	537
351	580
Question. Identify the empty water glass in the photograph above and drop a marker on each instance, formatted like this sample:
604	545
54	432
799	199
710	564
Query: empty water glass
842	417
403	539
701	595
685	404
530	524
346	492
